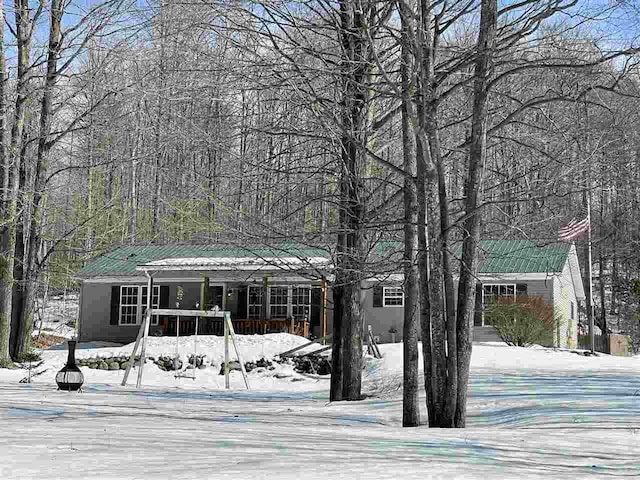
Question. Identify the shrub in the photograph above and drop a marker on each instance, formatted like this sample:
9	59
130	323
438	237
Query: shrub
29	356
631	327
523	322
7	364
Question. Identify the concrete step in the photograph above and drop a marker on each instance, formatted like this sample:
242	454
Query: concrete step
485	334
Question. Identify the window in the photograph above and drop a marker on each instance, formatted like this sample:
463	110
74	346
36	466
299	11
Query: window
128	305
133	304
283	302
254	302
392	297
300	302
490	292
278	302
155	303
572	311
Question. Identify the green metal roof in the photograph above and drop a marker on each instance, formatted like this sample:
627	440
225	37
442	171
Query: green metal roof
123	261
496	256
521	256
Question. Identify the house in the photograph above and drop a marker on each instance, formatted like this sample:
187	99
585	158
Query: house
524	267
287	288
113	290
510	268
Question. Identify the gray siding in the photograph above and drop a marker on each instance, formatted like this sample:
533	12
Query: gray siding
95	301
540	288
381	319
95	310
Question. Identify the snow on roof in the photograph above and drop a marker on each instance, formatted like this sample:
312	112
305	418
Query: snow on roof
235	263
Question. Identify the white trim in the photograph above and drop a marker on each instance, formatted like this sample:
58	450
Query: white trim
286	305
188	313
574	269
289	304
516	277
135	280
235	263
261	292
385	297
139	306
307	305
391	277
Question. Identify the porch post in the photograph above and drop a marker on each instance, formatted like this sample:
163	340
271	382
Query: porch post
265	291
204	298
204	293
323	309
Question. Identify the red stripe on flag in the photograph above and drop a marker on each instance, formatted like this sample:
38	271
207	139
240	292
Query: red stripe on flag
573	229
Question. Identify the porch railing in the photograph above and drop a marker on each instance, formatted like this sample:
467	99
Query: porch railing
214	326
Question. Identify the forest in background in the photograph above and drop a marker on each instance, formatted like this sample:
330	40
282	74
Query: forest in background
224	121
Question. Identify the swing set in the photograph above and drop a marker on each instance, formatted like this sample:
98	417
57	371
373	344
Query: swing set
143	334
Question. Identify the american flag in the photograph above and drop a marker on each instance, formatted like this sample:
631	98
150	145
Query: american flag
574	228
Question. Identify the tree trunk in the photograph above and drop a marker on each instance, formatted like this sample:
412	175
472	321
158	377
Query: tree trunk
410	385
433	320
335	393
349	261
19	341
18	304
5	273
469	265
31	267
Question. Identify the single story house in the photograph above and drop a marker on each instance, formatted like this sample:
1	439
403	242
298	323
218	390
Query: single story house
524	267
287	288
265	288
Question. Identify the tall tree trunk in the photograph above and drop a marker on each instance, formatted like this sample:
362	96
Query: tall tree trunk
5	273
433	324
32	268
410	385
20	251
19	342
350	261
337	346
469	265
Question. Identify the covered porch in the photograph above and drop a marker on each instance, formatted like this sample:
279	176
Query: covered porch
259	299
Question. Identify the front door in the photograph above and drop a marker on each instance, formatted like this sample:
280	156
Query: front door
215	297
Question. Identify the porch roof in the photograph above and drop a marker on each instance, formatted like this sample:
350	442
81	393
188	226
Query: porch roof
123	261
236	264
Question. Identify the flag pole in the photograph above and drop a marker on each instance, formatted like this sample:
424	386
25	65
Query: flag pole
592	340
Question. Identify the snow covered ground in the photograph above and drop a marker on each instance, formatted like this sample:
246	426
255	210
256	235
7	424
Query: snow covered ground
532	413
252	348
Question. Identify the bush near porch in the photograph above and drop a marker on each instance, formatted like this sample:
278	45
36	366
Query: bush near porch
524	321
